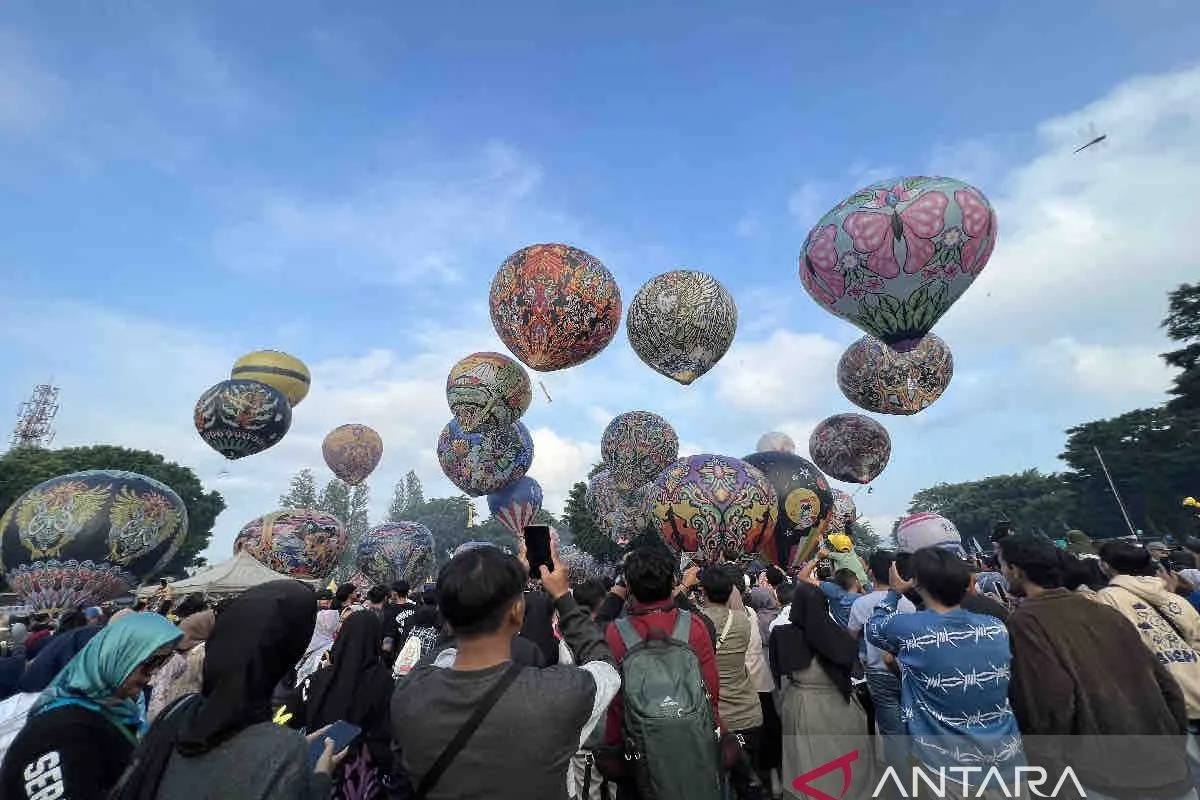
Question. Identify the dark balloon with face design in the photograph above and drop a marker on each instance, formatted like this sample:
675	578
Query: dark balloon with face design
805	505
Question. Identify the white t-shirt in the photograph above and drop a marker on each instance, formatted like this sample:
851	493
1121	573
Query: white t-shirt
860	613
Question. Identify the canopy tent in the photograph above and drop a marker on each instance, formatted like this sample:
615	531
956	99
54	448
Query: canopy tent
227	578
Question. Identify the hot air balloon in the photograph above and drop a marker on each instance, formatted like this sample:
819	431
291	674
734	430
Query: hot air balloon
487	390
352	452
301	542
844	513
775	442
394	551
714	508
850	447
487	461
892	257
636	447
554	306
239	418
517	504
83	538
888	380
927	530
274	368
474	544
581	565
681	323
620	515
805	505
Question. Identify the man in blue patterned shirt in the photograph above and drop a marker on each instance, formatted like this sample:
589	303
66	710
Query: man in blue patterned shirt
954	669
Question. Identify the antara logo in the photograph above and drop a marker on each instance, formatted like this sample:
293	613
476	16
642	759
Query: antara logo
978	781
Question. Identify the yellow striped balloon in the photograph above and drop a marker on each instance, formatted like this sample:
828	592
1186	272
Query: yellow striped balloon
276	369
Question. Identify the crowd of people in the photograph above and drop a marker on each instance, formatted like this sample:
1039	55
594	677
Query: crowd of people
665	681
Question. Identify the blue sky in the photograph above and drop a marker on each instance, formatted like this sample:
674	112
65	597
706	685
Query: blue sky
183	182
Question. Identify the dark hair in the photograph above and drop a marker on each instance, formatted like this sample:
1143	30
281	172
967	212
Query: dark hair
140	605
650	574
1036	556
426	617
377	594
324	594
1078	571
942	574
344	592
1183	559
401	588
1001	530
785	592
1127	559
775	576
717	583
589	594
71	620
192	604
476	589
429	597
845	578
1192	544
880	563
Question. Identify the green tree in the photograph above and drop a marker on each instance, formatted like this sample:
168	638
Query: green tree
1183	325
303	491
587	534
864	536
335	499
1152	456
23	468
1032	501
399	502
359	521
446	518
414	493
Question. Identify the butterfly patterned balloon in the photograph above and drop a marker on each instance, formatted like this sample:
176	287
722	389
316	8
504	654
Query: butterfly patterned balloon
714	509
805	505
517	504
844	513
776	442
893	257
487	390
301	542
889	380
681	323
484	462
554	306
636	447
850	447
83	538
620	515
352	452
239	418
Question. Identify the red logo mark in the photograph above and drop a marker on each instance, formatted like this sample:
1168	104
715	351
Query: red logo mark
842	762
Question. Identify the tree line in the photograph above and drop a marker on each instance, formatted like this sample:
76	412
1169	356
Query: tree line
1152	455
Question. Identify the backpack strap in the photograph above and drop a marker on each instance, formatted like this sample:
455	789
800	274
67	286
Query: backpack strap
629	634
683	628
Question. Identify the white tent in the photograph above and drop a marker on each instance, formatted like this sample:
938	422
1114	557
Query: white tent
227	578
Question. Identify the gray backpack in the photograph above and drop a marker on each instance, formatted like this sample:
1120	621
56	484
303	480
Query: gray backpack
670	734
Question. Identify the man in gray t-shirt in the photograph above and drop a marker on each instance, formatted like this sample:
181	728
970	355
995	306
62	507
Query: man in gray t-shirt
883	683
524	744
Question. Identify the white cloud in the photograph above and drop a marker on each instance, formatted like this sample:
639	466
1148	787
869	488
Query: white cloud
30	93
781	375
749	226
559	462
430	222
1123	372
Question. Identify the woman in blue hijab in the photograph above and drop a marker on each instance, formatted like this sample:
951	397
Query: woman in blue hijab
82	730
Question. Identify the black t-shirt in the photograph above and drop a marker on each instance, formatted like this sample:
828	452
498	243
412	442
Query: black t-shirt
66	752
982	604
396	617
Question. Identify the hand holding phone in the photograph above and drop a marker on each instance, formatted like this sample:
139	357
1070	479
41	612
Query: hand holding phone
537	550
341	733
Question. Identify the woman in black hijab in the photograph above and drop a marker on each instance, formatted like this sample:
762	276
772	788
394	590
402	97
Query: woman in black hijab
222	742
355	687
812	659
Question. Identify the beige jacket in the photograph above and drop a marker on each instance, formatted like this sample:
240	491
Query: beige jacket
1168	624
